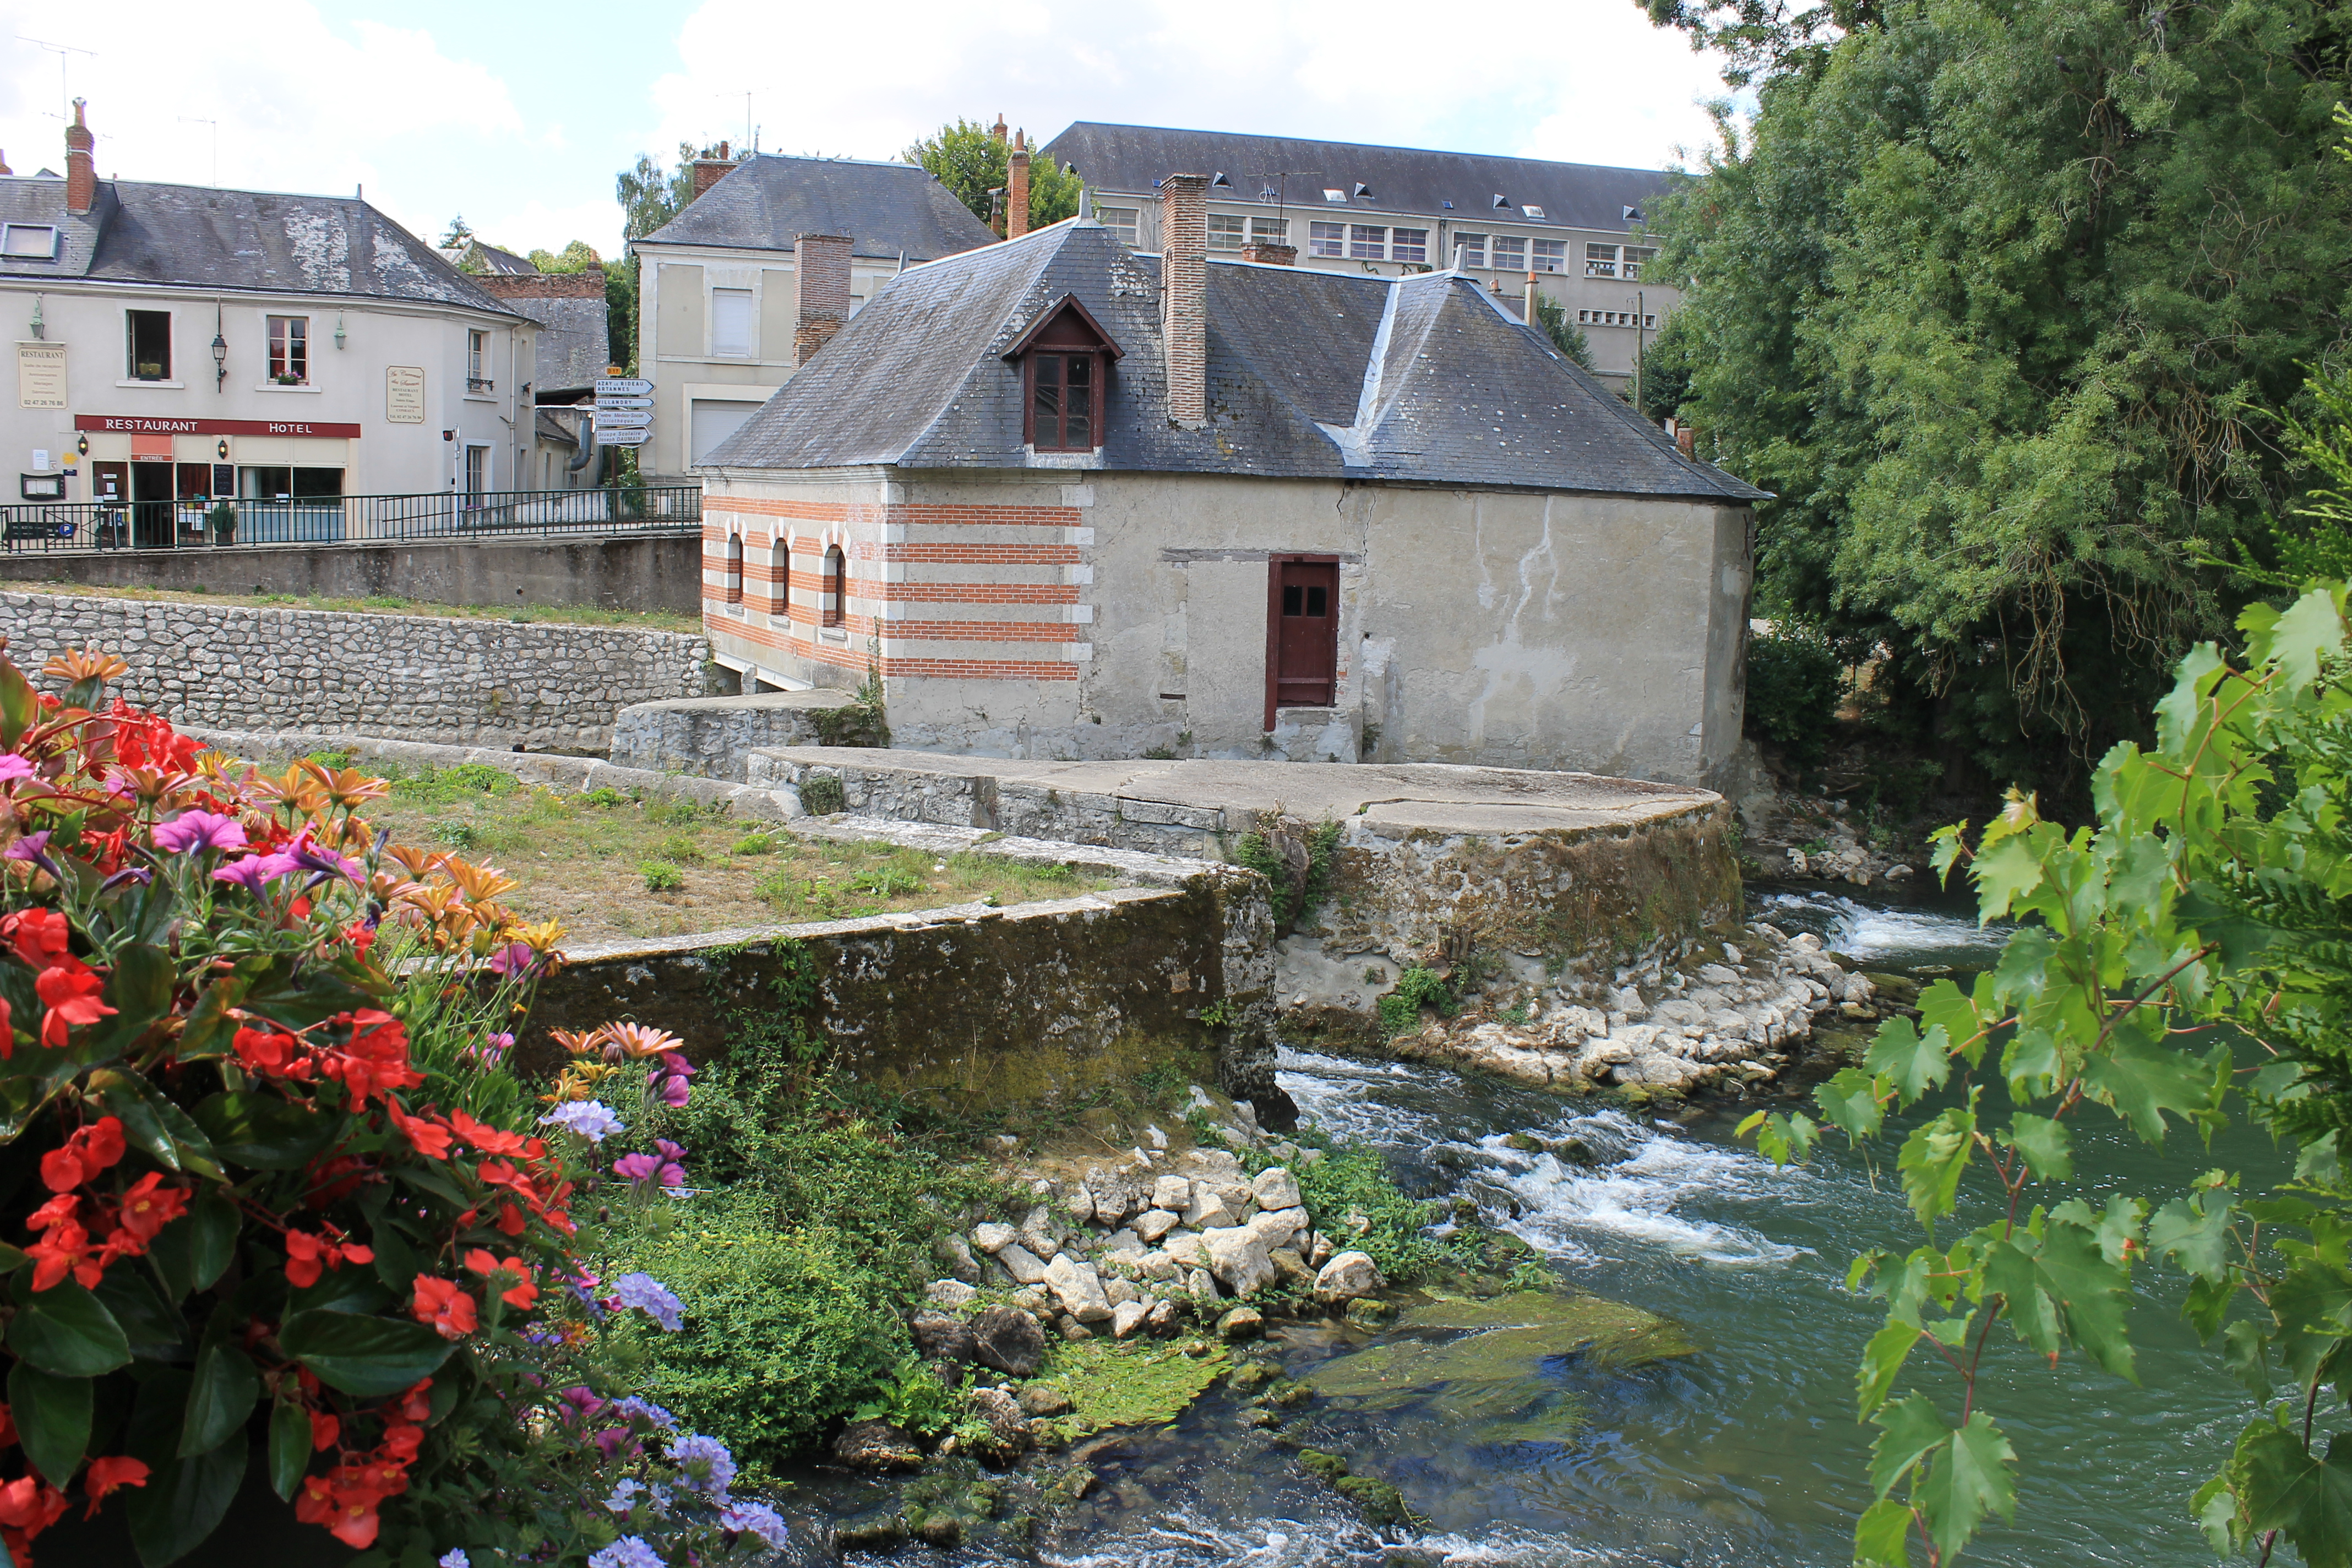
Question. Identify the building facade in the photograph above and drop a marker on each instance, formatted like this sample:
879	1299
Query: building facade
721	322
181	345
1068	500
1572	231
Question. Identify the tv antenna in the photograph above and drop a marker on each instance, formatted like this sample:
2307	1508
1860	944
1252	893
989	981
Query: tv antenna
750	130
65	92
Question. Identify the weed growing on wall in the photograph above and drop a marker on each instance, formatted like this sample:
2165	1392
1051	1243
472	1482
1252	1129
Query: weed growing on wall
823	796
1415	989
1294	893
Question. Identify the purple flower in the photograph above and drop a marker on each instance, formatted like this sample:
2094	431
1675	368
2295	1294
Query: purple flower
585	1402
14	767
645	1409
517	958
255	871
489	1051
199	830
663	1168
457	1558
629	1552
613	1439
624	1494
310	856
651	1297
672	1091
760	1520
31	847
586	1117
674	1064
707	1464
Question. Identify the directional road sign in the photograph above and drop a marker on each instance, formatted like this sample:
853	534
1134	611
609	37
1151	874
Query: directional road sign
624	386
628	420
622	437
618	402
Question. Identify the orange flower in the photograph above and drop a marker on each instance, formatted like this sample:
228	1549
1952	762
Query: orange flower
428	1135
69	989
444	1308
520	1295
149	1205
109	1475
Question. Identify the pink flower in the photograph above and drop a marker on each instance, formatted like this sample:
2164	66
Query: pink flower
193	830
14	767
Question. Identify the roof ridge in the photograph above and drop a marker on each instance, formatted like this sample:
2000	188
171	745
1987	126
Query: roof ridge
1327	142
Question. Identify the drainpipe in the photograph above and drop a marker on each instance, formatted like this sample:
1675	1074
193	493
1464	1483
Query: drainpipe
587	437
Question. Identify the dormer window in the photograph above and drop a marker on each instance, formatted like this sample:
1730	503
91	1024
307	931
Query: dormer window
1065	363
29	241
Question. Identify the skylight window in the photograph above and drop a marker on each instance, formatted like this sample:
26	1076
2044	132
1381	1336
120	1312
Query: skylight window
1531	210
1332	196
31	241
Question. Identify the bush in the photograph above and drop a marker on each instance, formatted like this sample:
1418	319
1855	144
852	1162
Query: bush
661	877
1415	989
754	843
1350	1180
679	847
605	795
821	795
1795	682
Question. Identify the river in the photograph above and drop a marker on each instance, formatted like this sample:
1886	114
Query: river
1744	1453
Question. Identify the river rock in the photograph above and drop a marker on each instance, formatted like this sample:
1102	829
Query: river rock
1348	1276
942	1336
1276	1188
1241	1323
1153	1223
1026	1267
1039	1234
1172	1193
1319	1249
1034	1299
1185	1247
992	1237
1279	1227
1237	1258
876	1446
1123	1241
1215	1164
1289	1265
956	1258
1008	1340
1081	1204
1043	1400
1127	1317
1116	1194
1162	1317
1208	1208
1079	1289
950	1294
1201	1284
1121	1291
1008	1429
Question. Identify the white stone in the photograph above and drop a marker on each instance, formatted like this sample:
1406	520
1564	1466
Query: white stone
1276	1188
1201	1285
1026	1267
1319	1251
1162	1317
950	1293
1153	1223
1346	1277
1207	1208
1184	1247
1279	1227
1157	1139
1079	1290
1081	1205
1158	1265
1120	1292
992	1237
1172	1193
1237	1258
1127	1317
1124	1241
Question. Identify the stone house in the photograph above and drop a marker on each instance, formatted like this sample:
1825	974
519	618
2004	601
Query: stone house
1070	501
1567	231
720	309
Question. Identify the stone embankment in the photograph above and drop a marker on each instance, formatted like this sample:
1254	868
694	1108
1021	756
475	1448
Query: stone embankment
1709	1016
427	678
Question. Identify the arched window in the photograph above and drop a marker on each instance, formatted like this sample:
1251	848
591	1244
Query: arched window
734	568
780	577
836	585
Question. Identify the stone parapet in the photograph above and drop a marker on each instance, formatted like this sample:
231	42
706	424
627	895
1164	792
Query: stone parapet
712	735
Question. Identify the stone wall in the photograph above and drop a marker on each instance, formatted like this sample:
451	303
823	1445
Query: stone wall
713	735
493	683
622	571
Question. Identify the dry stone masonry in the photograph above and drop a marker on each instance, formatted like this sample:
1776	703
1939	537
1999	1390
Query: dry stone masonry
494	683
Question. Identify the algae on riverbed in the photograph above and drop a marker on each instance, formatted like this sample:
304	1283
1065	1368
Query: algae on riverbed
1113	1383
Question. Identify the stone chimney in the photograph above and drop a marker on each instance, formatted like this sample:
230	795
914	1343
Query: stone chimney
709	172
1266	253
824	263
82	168
1185	296
1016	187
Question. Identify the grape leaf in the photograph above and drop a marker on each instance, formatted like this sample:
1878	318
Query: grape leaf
1969	1479
2193	1235
1851	1101
2005	873
2048	1147
1932	1160
1912	1062
2141	1080
1909	1430
1882	1535
2063	1278
1882	1359
2287	1489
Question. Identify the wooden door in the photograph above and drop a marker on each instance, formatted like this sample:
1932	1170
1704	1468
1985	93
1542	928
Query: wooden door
1302	633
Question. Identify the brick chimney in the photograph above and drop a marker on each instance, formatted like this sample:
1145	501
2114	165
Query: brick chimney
81	169
1016	187
824	263
709	172
1267	253
4	169
1686	440
1185	296
997	130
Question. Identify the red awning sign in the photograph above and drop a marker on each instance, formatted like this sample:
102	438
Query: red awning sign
145	425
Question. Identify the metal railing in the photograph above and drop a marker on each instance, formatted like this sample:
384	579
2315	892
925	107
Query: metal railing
47	526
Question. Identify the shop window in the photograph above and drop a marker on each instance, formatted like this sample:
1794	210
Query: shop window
150	345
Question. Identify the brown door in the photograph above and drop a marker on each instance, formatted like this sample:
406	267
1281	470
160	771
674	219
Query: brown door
1302	633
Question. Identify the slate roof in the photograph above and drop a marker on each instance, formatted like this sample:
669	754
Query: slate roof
1310	374
574	347
488	258
764	202
1129	158
200	237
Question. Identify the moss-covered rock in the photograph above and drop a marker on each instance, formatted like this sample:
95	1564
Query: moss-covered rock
1129	1383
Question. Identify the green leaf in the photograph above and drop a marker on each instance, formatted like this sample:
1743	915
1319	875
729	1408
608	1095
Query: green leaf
223	1391
2289	1489
262	1131
1882	1359
19	705
290	1447
151	1322
1909	1430
1932	1160
2313	1304
1912	1062
370	1357
2048	1147
1784	1138
1967	1481
2304	637
184	1500
2063	1280
2005	873
213	1243
2245	1352
52	1416
2194	1236
1882	1535
152	1122
210	1029
1851	1100
2220	1516
65	1330
2141	1080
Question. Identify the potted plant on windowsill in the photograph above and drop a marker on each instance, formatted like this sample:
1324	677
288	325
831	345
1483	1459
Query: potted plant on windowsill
223	521
287	379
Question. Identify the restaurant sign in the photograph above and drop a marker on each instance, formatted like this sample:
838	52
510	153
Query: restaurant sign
145	425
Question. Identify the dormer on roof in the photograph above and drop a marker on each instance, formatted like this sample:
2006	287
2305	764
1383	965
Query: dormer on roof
1065	359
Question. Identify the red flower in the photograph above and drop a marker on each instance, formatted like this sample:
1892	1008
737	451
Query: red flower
374	1060
69	989
428	1135
27	1507
324	1425
149	1205
520	1294
38	935
270	1053
307	1255
108	1474
342	1501
65	1248
490	1141
444	1308
361	935
90	1149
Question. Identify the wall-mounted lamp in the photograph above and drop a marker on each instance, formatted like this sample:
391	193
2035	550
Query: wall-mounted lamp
223	449
81	444
220	360
339	329
38	329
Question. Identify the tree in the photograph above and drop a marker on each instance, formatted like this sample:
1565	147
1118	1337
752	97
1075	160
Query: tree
967	158
1990	296
577	257
649	197
1570	340
458	233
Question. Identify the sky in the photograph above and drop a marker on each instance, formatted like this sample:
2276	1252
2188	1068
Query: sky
518	117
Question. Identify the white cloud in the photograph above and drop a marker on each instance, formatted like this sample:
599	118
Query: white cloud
1590	81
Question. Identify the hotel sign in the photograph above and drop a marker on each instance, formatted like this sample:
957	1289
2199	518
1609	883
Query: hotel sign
145	425
403	394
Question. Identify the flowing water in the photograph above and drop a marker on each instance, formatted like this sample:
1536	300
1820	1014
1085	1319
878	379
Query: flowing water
1748	1451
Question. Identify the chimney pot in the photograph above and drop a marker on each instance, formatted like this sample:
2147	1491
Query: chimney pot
82	168
1185	296
822	260
1268	254
1686	440
1016	187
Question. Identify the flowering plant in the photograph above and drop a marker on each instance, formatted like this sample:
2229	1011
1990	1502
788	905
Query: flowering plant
257	1197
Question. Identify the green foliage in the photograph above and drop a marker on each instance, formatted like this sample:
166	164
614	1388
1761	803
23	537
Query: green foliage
651	196
661	877
1565	336
1415	989
754	843
603	795
969	161
1349	1182
679	847
2321	546
1993	299
2213	898
447	786
821	795
1292	898
910	1397
1795	682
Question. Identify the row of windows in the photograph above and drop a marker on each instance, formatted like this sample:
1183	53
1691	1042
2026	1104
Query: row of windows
1616	319
832	596
1367	242
1616	260
147	348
